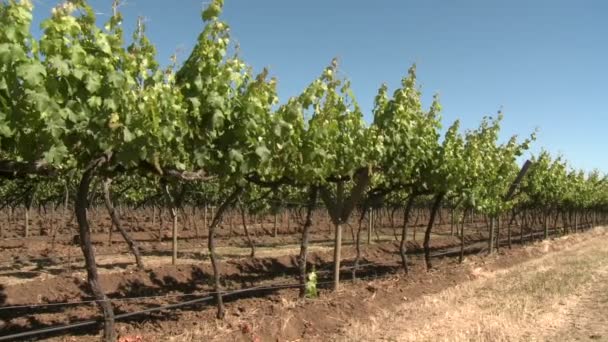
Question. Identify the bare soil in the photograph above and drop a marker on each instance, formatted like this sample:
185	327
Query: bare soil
43	275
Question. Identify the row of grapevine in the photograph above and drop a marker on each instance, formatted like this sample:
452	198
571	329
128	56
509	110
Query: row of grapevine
86	117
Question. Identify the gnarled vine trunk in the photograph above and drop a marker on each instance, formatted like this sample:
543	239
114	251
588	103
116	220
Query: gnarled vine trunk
402	248
217	288
312	199
89	253
133	245
429	228
249	240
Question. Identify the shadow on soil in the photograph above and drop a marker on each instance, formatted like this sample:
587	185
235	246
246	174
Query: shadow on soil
2	295
188	279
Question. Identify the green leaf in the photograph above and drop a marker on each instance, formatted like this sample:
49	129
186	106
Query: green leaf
93	83
32	73
60	65
115	78
7	54
78	73
5	130
110	104
56	154
213	11
104	46
236	156
94	102
127	135
262	152
196	103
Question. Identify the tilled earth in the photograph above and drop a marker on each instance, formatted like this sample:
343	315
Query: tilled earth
31	272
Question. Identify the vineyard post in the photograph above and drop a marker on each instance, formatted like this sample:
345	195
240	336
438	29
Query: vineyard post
230	224
153	215
462	240
546	225
27	221
29	201
338	233
175	203
524	224
260	217
275	227
370	226
193	221
174	235
415	225
510	229
65	206
452	224
161	222
11	213
205	216
498	233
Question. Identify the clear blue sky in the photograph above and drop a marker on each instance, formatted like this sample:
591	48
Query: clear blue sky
543	62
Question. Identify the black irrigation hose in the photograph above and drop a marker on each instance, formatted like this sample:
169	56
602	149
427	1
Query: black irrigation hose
167	296
92	322
49	330
210	297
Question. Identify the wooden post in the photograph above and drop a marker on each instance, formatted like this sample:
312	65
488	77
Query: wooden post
27	221
491	237
370	227
498	233
197	233
338	236
546	226
174	232
452	222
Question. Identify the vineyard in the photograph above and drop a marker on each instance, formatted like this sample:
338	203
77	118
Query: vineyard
129	190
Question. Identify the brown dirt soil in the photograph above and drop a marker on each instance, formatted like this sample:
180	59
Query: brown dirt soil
15	248
282	318
33	273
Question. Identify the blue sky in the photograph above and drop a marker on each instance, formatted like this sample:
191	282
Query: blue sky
543	62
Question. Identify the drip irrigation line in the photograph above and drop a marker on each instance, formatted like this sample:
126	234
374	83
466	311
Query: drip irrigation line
31	333
207	298
210	296
28	334
167	296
